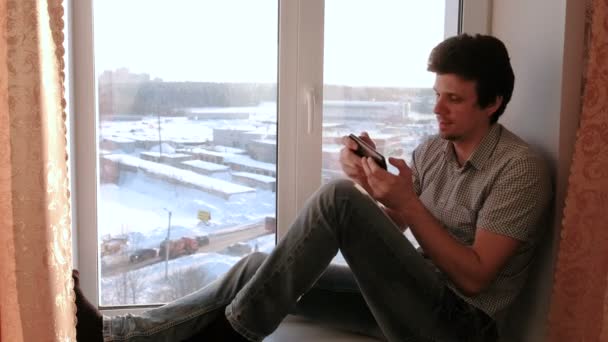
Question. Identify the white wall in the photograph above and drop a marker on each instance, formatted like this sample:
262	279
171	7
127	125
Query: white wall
545	41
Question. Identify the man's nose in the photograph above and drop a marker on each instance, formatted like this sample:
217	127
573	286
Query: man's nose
439	106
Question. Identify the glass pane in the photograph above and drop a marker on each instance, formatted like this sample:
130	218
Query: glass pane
187	142
375	75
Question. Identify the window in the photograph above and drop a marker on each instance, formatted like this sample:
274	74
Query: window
196	124
375	76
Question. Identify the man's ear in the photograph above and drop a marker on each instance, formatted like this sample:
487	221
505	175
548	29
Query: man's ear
493	107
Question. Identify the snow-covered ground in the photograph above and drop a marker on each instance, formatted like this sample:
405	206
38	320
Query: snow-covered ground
140	203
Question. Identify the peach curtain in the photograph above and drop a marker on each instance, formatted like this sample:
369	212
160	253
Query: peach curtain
579	309
36	298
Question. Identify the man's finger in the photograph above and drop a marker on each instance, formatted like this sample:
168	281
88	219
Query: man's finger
350	143
365	137
365	165
400	164
373	166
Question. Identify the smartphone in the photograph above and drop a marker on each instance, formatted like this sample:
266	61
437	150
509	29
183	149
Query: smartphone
365	150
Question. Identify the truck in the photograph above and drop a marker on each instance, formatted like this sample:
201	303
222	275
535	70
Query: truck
178	247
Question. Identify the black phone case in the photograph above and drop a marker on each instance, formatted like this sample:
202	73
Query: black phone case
365	150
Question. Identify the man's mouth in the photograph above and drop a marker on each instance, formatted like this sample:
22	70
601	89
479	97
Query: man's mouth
443	124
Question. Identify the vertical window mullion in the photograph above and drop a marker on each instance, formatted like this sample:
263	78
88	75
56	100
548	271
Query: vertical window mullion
84	194
300	105
310	98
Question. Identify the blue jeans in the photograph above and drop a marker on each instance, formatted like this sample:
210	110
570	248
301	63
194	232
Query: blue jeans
390	291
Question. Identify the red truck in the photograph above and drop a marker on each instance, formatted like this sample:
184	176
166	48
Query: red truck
179	247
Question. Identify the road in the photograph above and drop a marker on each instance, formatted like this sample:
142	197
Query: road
217	242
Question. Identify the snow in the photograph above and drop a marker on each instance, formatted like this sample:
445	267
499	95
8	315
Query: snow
120	139
165	155
166	148
146	130
198	150
227	149
261	178
247	161
139	207
204	165
203	182
266	141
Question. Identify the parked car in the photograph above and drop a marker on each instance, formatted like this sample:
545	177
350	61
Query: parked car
203	240
142	254
239	248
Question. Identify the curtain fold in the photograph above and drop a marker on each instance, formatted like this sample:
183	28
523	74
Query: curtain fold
579	305
36	297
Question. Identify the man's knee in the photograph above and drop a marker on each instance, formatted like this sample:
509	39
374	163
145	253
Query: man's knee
341	187
346	189
252	262
256	258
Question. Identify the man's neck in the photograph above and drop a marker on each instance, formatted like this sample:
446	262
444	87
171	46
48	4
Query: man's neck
465	148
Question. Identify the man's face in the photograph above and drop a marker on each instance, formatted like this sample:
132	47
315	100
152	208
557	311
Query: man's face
459	116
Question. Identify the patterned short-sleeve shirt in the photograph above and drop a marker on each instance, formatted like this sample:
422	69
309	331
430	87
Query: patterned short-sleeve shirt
503	187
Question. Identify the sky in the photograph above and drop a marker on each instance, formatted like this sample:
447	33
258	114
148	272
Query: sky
367	42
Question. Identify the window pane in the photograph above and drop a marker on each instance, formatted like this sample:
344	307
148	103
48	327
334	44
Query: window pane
187	142
375	75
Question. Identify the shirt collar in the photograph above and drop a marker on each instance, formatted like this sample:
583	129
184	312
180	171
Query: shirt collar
483	151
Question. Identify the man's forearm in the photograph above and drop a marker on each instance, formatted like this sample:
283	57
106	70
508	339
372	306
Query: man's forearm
396	217
461	263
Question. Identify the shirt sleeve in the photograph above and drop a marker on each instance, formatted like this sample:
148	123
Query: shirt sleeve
518	199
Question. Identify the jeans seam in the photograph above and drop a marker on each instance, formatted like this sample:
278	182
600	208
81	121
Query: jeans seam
233	317
401	262
238	327
368	224
289	260
165	326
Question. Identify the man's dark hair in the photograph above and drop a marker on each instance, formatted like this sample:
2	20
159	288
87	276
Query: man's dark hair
480	58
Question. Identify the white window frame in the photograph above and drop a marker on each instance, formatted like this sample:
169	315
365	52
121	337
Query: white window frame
300	94
475	16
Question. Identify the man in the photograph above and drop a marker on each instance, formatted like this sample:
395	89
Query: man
473	198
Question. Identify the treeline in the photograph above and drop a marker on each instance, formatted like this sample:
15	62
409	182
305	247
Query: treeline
170	98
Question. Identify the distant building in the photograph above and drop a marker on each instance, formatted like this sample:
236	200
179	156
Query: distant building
381	111
165	158
231	137
173	175
263	150
246	164
218	113
240	137
122	75
255	180
117	143
206	168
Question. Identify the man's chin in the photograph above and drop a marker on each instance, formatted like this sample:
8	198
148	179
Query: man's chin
448	136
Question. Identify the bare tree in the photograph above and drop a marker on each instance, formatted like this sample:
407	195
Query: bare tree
135	285
183	282
124	289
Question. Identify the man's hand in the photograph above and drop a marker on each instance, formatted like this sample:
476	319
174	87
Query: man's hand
394	191
352	164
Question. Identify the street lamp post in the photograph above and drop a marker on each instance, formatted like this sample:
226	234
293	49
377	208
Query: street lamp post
167	245
160	144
